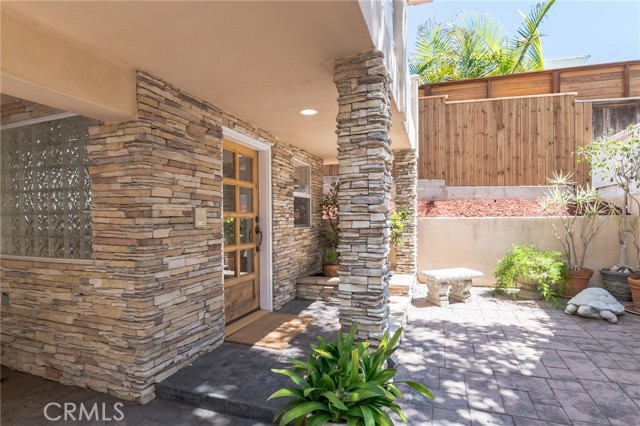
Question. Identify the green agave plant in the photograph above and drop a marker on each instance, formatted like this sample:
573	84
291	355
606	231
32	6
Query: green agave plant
344	382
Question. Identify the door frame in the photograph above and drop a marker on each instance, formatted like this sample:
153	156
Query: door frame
264	211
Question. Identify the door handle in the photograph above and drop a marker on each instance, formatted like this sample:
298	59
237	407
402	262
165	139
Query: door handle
258	235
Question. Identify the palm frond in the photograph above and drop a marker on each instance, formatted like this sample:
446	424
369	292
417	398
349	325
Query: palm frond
528	43
474	44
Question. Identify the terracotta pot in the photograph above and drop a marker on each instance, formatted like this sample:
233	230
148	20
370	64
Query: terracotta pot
578	281
616	284
634	285
330	270
392	257
528	289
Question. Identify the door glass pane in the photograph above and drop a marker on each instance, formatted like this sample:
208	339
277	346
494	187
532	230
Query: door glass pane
246	261
229	164
230	264
246	226
246	200
245	166
229	231
228	198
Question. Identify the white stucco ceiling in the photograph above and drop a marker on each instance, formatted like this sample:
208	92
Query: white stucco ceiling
263	61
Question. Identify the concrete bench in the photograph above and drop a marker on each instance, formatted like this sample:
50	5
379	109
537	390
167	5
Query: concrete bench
441	281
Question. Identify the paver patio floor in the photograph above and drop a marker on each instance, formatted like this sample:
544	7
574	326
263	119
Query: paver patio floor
490	362
497	361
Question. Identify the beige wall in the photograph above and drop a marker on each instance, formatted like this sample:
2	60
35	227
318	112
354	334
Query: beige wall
479	243
43	66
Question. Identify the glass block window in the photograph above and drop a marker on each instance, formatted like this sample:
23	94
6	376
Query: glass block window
45	190
301	194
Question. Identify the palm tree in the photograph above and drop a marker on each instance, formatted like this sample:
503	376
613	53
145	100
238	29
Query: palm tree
475	44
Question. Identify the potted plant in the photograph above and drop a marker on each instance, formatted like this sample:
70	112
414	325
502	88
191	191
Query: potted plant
329	237
535	272
571	202
330	262
634	286
617	159
346	383
396	221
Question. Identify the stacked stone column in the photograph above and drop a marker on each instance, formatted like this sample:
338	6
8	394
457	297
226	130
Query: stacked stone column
406	180
365	160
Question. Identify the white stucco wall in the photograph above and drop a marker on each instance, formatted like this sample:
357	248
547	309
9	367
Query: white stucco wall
387	24
479	243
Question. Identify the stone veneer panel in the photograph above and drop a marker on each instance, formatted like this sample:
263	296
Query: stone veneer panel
406	198
151	298
364	157
16	109
296	251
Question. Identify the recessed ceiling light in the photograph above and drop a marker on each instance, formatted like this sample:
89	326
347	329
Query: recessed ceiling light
308	112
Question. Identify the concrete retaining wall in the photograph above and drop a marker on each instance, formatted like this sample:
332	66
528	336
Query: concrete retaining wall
479	243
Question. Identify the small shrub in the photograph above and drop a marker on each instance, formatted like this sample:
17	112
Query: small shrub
330	257
329	236
344	382
548	269
397	226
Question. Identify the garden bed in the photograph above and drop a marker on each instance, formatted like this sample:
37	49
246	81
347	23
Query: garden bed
507	207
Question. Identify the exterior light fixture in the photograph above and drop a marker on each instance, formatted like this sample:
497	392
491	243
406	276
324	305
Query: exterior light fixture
308	112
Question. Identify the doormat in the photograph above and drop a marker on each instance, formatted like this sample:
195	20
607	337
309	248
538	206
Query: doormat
274	330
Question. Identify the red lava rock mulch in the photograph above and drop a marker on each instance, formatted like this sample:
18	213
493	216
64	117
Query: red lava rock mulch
480	208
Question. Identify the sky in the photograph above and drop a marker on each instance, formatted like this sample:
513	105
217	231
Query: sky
608	30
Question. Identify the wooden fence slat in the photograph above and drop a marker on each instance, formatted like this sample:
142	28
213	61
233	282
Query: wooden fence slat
525	143
452	120
487	166
516	171
516	141
501	163
577	131
600	81
467	139
587	136
541	136
509	141
569	113
430	145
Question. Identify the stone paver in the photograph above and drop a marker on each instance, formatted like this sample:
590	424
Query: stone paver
24	398
491	362
524	363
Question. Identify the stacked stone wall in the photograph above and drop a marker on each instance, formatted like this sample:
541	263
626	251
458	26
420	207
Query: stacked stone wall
406	199
15	110
296	251
151	298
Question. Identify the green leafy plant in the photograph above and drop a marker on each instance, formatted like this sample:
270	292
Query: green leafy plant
330	257
397	226
618	160
571	202
474	44
344	381
548	269
329	237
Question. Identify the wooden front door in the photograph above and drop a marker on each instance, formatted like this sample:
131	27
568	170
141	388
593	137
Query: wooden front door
241	235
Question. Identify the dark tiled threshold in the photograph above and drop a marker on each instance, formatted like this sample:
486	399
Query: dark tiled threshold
237	379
